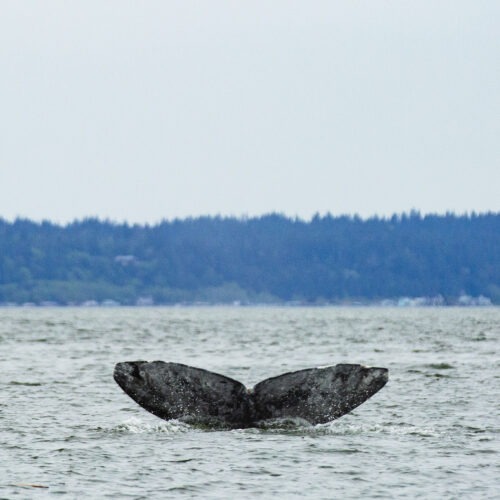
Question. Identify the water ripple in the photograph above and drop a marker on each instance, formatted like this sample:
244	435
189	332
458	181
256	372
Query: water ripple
432	432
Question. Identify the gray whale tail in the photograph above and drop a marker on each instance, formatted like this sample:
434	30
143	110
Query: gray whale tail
197	396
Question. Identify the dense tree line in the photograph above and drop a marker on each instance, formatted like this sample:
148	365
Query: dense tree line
268	258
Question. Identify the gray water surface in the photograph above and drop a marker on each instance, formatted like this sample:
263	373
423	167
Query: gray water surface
432	432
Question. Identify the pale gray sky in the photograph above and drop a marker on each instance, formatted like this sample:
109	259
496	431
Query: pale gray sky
143	110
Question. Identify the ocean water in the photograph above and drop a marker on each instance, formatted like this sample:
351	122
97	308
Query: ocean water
67	429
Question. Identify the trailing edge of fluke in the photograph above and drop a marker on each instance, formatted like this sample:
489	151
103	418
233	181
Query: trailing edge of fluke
201	397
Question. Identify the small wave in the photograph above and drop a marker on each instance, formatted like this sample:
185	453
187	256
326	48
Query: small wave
28	485
438	375
480	338
135	425
283	424
289	426
300	427
406	429
342	429
440	366
28	384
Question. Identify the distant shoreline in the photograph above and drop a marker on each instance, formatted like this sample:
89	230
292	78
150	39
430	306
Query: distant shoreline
404	260
404	302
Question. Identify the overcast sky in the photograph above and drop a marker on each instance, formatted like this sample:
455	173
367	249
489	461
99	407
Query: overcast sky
147	110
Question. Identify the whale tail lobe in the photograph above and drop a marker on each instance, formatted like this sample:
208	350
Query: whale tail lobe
317	395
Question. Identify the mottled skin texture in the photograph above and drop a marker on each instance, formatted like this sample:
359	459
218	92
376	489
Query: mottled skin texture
317	395
194	395
173	390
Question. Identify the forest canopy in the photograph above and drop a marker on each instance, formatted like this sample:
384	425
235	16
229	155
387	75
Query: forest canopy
272	258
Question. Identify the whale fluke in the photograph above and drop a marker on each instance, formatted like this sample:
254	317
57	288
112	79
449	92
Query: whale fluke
197	396
317	395
174	390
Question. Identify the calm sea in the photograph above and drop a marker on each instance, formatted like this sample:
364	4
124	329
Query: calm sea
432	432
